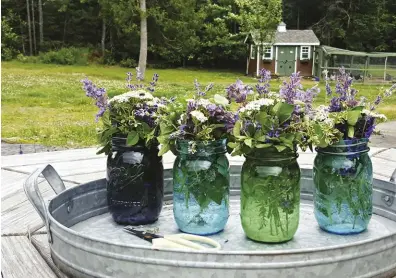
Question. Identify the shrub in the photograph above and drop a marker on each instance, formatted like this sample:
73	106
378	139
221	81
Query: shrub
27	59
66	56
128	63
9	41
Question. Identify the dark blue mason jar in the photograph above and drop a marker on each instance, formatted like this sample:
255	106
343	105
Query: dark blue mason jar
135	186
343	179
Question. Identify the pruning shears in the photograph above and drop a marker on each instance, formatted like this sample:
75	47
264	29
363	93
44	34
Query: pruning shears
176	241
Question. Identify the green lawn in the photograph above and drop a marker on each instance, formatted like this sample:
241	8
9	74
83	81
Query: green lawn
46	104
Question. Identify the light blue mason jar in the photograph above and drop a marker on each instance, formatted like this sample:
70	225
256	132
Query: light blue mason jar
343	178
201	186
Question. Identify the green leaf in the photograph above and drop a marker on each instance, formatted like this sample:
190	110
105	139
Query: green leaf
164	149
146	128
353	117
232	145
237	128
283	111
351	131
106	149
263	118
262	146
166	129
133	138
220	100
357	108
249	142
280	148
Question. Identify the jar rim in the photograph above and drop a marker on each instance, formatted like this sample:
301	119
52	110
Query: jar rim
217	146
275	156
346	147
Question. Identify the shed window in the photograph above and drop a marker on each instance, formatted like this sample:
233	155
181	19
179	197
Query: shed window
305	53
267	53
253	52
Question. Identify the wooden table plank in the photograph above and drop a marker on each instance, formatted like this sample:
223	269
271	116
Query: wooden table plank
389	154
67	168
19	259
11	184
18	214
49	157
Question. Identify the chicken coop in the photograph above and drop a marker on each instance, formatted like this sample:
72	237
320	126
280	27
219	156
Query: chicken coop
367	67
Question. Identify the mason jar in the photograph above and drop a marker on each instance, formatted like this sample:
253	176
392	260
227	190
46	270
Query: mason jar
201	186
270	195
135	186
343	178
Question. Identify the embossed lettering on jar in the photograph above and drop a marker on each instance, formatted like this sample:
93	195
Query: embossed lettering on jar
343	178
134	183
270	196
201	187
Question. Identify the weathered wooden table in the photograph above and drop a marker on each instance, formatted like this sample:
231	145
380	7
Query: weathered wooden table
24	246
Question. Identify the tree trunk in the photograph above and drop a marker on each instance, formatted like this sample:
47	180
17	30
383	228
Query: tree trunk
40	11
103	36
23	38
29	28
34	29
143	37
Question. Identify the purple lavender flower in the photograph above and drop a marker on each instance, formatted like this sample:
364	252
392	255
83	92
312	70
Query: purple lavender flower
335	105
98	94
182	127
238	91
292	90
263	85
370	126
389	92
153	83
198	88
328	89
191	106
211	109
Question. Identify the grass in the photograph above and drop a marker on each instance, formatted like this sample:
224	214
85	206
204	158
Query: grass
45	104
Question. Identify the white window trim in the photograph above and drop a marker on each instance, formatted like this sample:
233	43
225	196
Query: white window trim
301	52
272	53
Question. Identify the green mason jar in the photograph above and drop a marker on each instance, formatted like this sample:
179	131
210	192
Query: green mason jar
270	196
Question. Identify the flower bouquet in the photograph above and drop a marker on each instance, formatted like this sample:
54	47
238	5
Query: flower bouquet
128	137
342	168
196	132
270	127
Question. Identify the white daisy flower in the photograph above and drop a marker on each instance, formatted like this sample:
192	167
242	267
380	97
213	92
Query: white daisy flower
139	94
199	116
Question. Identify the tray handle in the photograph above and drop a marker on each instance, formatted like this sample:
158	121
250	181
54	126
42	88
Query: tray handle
33	192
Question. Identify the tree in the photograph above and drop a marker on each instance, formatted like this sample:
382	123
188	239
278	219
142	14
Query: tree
40	11
29	28
260	16
143	37
34	29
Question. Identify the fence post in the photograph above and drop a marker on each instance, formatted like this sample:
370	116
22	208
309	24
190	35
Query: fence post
386	60
365	68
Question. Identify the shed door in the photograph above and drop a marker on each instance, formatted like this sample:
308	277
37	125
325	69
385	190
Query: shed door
286	60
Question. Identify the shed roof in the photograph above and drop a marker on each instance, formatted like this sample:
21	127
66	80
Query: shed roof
290	37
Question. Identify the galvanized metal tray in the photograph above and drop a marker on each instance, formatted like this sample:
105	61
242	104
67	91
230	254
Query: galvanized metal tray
85	242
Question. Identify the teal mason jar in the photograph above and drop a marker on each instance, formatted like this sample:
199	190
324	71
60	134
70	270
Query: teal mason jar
343	178
201	187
